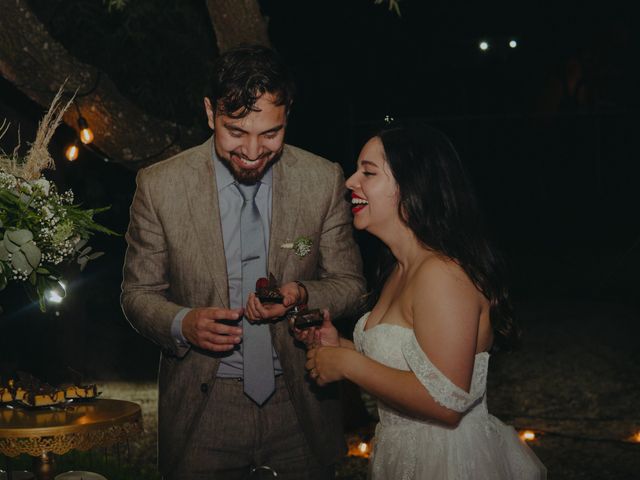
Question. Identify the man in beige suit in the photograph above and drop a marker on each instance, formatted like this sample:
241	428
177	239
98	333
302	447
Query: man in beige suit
196	240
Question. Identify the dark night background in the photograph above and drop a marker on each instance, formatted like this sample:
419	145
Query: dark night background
547	129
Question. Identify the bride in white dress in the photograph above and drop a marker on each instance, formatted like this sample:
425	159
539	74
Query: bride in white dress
423	350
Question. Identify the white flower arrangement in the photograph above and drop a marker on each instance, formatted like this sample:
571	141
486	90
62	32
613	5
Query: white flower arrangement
40	229
301	246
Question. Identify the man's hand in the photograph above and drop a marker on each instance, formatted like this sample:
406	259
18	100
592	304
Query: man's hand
257	311
207	328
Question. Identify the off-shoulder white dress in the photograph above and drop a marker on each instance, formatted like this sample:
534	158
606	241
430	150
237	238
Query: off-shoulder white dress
481	447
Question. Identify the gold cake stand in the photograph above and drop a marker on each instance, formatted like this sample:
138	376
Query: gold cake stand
79	426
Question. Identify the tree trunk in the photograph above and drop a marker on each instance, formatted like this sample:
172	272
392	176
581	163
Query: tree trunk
236	22
37	65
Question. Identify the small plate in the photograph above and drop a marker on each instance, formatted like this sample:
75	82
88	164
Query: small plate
79	475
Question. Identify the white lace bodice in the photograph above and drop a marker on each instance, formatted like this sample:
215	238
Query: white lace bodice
396	346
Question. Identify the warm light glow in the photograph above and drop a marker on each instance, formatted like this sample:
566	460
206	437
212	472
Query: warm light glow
513	44
72	152
527	435
635	438
359	448
86	135
484	46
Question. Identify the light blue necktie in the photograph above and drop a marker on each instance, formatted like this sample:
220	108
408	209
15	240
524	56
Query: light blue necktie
257	351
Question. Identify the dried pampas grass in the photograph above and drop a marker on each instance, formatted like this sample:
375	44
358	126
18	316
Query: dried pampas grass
38	157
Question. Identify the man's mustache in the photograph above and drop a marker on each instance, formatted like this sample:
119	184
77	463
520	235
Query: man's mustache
259	157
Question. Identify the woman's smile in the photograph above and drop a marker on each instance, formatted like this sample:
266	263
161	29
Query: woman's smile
358	203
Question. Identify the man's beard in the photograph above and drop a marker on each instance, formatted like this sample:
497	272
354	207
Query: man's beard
249	176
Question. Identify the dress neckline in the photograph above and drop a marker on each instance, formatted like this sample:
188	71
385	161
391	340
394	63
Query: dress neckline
365	320
363	323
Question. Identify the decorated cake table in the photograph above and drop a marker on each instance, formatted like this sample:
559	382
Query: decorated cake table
81	426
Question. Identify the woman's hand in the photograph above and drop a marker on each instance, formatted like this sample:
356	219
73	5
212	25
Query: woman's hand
325	335
327	364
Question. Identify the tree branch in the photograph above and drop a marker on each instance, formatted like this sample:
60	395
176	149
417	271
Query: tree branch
237	22
37	65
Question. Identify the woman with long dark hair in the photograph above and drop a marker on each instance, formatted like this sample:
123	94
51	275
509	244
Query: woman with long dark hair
439	308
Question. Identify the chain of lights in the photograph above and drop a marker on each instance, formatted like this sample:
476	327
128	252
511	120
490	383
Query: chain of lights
85	135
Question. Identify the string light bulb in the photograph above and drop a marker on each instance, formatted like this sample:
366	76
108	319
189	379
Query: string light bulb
72	152
527	435
86	135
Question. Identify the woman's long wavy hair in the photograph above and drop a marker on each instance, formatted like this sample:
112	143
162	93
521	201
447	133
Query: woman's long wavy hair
437	202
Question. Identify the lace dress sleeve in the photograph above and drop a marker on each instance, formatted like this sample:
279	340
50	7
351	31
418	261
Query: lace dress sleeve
443	390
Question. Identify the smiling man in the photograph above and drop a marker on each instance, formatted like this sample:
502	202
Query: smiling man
205	225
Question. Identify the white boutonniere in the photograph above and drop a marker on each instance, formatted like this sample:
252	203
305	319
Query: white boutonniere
301	246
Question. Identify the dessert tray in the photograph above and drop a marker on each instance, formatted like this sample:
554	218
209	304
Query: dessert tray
29	392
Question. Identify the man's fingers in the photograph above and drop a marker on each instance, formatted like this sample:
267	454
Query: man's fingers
222	329
215	347
222	313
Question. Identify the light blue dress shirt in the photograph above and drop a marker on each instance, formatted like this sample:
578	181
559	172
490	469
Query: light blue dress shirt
230	204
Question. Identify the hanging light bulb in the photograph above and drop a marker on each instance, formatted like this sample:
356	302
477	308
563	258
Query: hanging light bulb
86	135
72	152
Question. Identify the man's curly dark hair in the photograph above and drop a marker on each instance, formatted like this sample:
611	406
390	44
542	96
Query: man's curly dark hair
243	74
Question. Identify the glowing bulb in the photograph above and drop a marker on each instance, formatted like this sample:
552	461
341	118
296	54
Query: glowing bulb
635	437
363	447
86	135
53	296
72	152
527	435
484	46
513	44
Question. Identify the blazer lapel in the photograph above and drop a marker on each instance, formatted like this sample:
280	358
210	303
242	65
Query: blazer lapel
284	217
286	190
202	195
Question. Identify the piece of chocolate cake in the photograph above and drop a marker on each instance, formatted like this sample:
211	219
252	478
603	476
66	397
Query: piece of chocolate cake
80	392
304	318
267	291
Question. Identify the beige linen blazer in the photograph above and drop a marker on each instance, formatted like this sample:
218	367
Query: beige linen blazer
175	259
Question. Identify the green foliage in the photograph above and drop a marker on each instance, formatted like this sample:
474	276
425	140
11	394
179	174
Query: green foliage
41	230
394	5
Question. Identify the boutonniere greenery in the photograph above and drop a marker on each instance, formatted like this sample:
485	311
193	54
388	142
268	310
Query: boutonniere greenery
301	246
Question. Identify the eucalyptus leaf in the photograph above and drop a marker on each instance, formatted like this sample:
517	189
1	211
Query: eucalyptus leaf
82	261
81	243
9	245
19	262
43	271
95	255
85	251
33	254
4	253
19	237
33	278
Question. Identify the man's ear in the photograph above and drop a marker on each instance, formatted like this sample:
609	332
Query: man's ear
211	113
